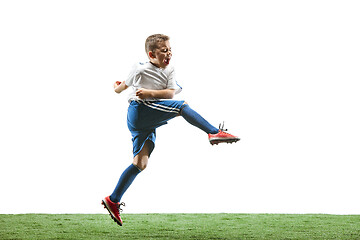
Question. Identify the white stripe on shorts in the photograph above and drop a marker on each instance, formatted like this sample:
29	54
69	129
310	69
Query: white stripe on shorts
161	107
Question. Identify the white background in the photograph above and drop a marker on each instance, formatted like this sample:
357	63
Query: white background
283	75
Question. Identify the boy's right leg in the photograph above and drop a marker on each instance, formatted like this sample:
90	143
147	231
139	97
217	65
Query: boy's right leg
128	176
111	203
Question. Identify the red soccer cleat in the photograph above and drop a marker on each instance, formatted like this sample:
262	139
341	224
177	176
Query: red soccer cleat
222	137
114	209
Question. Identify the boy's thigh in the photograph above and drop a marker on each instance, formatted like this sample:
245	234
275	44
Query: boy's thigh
152	114
143	139
165	107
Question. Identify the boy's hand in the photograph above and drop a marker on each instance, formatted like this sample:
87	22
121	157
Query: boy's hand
116	84
119	86
143	93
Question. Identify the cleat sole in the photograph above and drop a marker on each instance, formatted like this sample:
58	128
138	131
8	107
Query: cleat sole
217	141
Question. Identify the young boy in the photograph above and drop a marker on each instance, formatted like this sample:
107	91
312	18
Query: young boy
154	86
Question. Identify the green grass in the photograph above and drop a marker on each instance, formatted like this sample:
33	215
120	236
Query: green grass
180	226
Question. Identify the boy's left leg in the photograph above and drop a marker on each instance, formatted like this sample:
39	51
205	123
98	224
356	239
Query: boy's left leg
215	135
197	120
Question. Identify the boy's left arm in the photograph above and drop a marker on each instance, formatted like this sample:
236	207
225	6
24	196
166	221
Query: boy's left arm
143	93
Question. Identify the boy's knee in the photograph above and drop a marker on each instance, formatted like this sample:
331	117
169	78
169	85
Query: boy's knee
140	161
182	107
140	165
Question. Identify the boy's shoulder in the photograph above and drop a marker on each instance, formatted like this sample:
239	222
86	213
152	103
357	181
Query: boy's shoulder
146	66
142	66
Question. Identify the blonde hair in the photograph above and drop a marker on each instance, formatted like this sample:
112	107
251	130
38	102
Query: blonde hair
152	41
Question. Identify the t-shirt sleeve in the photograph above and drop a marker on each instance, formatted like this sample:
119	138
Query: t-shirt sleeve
133	76
172	83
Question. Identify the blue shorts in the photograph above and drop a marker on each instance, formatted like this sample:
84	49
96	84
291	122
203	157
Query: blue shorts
145	116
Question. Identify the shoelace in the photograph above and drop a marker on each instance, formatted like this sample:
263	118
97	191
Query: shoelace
118	206
221	128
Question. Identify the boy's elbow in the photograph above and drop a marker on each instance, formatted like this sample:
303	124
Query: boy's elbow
171	94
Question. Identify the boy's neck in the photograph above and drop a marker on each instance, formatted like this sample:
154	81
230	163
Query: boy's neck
155	65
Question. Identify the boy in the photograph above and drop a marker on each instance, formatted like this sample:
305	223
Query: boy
154	86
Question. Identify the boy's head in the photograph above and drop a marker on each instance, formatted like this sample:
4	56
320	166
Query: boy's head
158	50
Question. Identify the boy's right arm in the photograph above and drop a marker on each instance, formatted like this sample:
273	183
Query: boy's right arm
120	86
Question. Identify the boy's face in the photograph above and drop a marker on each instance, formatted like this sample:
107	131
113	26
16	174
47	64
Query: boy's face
162	55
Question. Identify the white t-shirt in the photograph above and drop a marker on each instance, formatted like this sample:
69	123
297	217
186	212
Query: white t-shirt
148	76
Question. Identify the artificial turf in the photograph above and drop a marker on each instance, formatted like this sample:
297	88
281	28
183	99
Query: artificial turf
180	226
